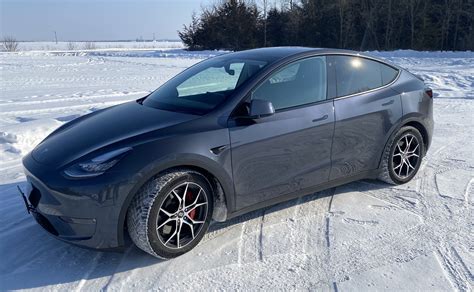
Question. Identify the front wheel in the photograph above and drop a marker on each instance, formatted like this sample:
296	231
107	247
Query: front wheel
171	213
402	156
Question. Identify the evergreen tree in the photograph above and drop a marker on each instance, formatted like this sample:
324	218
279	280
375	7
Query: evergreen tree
350	24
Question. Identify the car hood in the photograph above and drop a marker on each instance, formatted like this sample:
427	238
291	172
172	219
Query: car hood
99	129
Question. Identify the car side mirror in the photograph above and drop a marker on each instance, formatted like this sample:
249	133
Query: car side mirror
260	108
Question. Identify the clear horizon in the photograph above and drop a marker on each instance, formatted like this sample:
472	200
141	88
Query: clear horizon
103	20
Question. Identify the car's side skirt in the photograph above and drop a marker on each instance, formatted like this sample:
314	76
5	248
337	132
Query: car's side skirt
372	174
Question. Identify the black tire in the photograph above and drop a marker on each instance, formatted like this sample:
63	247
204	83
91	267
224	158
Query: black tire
389	172
145	211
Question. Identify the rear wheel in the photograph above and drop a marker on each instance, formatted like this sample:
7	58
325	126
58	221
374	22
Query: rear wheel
402	156
171	213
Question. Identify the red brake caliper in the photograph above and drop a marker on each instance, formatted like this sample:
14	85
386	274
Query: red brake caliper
189	198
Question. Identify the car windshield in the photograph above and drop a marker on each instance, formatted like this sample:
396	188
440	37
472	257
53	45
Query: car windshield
201	88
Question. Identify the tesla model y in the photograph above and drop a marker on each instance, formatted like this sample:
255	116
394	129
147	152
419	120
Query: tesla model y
229	135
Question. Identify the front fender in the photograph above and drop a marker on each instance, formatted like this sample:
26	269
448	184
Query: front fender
193	161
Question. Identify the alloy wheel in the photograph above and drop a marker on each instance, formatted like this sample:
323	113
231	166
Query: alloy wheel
406	156
182	215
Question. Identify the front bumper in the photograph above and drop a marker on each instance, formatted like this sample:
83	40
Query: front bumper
51	218
83	214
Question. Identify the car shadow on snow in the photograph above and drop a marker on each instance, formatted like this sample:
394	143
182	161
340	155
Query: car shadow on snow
363	185
31	258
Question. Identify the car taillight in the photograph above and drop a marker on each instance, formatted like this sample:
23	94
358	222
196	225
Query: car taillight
429	92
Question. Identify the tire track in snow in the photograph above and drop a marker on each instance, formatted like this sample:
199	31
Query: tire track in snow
112	276
439	210
328	239
93	266
326	233
241	244
260	237
453	266
469	192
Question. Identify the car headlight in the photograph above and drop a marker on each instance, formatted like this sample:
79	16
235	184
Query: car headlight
97	165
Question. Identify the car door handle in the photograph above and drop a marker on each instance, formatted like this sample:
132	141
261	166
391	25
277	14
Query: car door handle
388	103
320	119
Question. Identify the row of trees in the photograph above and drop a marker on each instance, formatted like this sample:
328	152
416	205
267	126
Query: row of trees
10	44
351	24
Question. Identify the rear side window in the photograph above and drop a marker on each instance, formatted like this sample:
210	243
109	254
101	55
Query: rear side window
354	75
299	83
388	74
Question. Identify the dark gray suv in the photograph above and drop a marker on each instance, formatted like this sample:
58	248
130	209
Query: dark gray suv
227	136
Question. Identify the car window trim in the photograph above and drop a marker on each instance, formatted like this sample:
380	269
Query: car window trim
302	106
296	107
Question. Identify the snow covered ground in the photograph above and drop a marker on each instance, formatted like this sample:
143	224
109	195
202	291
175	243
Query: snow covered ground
362	236
63	46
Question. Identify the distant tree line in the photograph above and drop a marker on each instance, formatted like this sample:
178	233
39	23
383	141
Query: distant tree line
350	24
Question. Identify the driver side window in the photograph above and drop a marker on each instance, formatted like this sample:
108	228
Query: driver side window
299	83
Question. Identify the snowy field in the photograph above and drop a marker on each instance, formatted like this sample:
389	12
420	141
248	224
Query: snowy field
361	236
67	46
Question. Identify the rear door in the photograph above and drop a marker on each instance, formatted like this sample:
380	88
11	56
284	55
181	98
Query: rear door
366	111
291	149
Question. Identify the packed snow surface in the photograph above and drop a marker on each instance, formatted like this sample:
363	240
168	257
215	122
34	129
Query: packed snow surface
363	236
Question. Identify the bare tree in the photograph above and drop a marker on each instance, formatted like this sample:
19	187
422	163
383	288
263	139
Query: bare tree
286	4
71	46
459	13
413	6
9	44
448	9
263	5
89	46
388	27
368	12
342	15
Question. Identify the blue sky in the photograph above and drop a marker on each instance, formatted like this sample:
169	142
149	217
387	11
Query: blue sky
95	20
